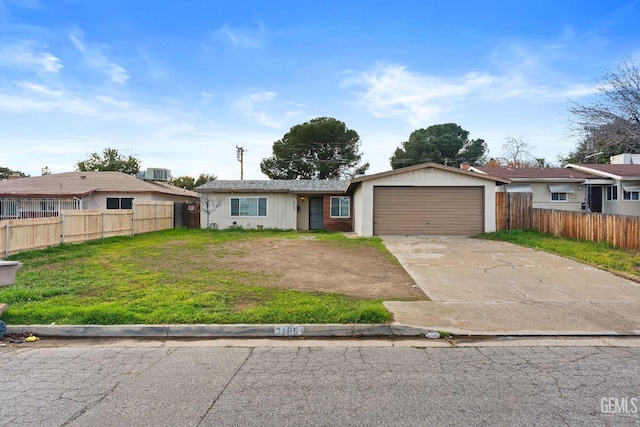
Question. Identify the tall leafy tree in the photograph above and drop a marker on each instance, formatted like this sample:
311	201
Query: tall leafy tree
322	148
110	160
190	183
203	179
447	144
183	182
6	173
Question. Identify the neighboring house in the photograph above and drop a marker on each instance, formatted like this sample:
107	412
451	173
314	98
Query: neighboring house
426	199
617	186
551	188
283	204
610	188
47	195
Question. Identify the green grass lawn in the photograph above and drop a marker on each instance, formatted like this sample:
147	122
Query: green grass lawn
151	279
599	254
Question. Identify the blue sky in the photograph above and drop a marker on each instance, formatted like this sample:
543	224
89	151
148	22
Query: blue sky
179	84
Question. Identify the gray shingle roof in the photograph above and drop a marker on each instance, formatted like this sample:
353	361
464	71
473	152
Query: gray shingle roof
275	186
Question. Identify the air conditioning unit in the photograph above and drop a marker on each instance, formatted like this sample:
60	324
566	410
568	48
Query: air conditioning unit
157	174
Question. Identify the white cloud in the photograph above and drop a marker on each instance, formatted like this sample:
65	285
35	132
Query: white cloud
34	97
392	90
247	106
24	55
95	58
30	97
242	38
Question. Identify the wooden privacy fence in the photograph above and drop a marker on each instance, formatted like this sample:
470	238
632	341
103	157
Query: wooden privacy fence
622	231
515	211
75	226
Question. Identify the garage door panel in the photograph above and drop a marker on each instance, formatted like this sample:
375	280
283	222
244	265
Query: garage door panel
428	210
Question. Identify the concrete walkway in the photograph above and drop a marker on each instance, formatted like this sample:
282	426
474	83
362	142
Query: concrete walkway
482	287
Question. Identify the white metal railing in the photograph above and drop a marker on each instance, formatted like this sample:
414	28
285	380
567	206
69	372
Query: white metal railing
19	208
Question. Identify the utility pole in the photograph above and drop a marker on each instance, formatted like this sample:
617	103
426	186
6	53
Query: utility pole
240	157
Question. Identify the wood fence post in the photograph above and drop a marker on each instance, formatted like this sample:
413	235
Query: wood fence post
62	234
7	240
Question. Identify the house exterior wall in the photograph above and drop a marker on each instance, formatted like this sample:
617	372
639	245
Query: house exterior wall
620	206
303	213
541	196
281	211
335	224
99	200
363	195
357	200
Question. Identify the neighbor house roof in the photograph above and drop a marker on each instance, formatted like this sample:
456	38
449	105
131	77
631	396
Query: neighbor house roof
275	186
535	174
82	184
621	171
354	181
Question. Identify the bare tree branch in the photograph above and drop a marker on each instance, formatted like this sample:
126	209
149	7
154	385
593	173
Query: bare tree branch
613	122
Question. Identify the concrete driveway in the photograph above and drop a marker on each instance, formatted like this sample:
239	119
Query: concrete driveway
495	288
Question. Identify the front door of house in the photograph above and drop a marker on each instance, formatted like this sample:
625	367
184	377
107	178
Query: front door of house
315	213
594	198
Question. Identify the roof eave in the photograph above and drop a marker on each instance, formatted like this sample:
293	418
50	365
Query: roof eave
352	183
543	180
593	171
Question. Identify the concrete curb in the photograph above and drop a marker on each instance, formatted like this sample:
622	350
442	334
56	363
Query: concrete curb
218	331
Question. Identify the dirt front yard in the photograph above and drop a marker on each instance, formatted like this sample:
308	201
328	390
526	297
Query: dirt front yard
308	264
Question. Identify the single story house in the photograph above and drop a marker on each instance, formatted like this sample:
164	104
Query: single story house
47	195
616	186
551	188
297	204
606	188
425	199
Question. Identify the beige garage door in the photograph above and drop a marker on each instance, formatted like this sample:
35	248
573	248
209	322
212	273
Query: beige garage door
444	211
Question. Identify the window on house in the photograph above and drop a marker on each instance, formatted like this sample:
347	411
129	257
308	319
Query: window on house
47	205
248	206
559	197
612	192
126	203
631	195
560	192
340	207
119	202
8	208
631	191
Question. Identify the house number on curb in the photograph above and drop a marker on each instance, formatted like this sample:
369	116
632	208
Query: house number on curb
289	331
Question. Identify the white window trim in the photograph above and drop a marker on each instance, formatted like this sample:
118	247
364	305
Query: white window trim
266	213
331	206
609	191
630	193
566	197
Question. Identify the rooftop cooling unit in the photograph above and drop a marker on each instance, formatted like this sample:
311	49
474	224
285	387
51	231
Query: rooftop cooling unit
156	174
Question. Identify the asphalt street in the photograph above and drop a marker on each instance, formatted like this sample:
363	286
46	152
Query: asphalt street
294	382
